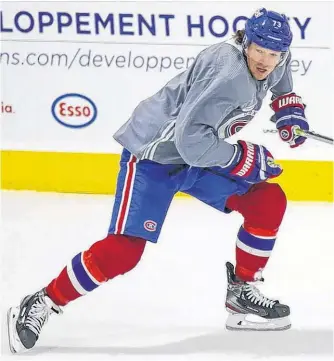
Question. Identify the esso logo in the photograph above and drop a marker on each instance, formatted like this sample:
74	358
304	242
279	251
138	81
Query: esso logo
74	110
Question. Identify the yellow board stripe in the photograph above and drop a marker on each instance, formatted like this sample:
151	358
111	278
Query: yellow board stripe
97	173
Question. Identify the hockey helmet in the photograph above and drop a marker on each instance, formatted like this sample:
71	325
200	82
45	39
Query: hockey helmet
268	29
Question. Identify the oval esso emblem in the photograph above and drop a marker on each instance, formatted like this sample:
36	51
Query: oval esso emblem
74	110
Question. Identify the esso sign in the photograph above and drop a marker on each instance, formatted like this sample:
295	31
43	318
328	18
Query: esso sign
74	110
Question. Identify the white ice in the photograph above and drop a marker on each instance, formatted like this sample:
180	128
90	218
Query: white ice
171	306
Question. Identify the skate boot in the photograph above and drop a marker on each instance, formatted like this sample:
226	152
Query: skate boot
250	310
25	321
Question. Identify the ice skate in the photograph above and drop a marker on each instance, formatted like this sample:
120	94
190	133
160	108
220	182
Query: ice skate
25	321
250	310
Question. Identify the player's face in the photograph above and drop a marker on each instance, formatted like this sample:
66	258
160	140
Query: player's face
261	61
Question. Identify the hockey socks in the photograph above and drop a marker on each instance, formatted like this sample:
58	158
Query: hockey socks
105	259
253	249
263	208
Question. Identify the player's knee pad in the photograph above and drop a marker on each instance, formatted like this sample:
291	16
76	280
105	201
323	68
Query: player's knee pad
263	206
270	204
275	199
117	254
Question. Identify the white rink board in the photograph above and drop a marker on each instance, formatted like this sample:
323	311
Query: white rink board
116	54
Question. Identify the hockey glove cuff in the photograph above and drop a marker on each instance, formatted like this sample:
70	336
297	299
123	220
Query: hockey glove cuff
252	163
289	114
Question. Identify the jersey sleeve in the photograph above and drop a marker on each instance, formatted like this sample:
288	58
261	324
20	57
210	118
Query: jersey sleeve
209	100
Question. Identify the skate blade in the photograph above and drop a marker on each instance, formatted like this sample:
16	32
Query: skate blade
242	322
15	344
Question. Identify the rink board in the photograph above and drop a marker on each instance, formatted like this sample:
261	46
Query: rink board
97	174
87	65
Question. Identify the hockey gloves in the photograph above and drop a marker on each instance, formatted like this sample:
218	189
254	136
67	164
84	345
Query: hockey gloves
289	114
252	163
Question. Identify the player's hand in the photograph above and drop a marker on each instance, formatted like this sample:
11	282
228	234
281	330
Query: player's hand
289	114
252	163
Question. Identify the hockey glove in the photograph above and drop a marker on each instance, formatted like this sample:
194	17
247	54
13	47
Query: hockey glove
289	114
252	163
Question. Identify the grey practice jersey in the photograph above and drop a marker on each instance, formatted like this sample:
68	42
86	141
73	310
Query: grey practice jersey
187	120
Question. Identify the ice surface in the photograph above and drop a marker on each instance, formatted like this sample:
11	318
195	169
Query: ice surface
171	306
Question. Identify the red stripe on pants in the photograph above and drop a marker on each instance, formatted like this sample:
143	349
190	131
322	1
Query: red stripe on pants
125	196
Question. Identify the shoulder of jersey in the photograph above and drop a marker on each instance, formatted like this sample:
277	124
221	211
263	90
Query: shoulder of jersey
232	58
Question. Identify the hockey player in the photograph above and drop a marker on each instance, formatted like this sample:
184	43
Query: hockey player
175	141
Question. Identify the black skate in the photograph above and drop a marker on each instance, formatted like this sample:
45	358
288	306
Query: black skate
250	310
25	322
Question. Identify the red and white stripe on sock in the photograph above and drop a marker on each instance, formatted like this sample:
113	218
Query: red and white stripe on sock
80	276
253	249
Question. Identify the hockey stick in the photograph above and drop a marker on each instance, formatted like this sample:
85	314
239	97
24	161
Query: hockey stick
304	133
313	135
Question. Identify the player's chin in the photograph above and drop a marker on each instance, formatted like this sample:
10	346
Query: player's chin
261	75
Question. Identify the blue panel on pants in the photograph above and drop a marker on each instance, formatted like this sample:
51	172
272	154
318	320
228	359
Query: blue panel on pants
145	190
213	187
